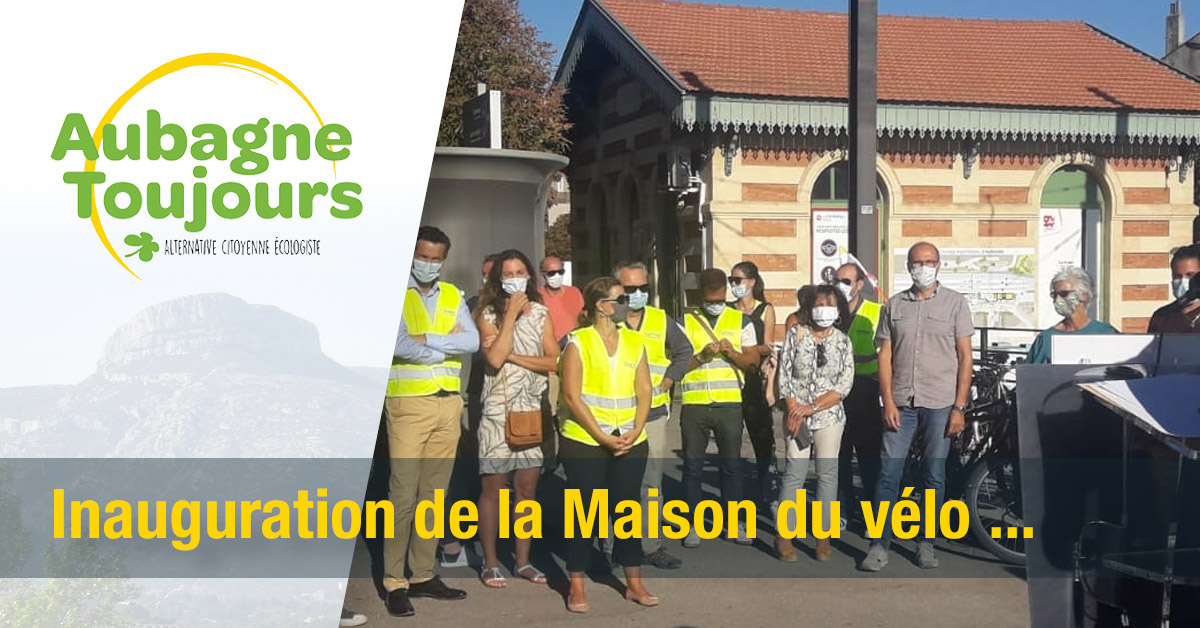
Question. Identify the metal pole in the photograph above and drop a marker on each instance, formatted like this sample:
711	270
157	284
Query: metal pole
864	223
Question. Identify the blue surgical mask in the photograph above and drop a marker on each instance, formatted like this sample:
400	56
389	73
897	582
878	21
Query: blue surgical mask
714	309
740	291
638	300
1180	287
426	272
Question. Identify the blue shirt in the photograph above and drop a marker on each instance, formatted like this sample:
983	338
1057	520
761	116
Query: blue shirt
437	346
1039	351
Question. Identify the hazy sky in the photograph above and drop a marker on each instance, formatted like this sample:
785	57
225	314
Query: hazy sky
1141	24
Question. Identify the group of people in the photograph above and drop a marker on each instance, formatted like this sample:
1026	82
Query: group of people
599	368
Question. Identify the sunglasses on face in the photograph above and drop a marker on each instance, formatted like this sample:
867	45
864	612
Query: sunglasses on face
554	273
642	288
621	299
844	282
1063	294
736	281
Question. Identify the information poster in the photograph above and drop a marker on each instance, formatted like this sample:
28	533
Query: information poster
1060	245
830	242
999	283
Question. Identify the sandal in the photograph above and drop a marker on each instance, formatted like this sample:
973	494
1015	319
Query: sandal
785	551
492	578
537	578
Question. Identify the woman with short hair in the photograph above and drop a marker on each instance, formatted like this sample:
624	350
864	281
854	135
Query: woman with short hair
1071	292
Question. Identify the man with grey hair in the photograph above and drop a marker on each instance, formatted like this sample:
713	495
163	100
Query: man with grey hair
669	353
1071	292
925	365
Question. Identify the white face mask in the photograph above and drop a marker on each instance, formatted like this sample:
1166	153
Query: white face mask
1067	306
923	277
426	272
740	290
714	309
846	290
513	285
1180	286
824	315
638	300
554	281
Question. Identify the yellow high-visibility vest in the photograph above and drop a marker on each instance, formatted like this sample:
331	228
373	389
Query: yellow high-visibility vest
654	333
408	379
608	388
862	337
716	381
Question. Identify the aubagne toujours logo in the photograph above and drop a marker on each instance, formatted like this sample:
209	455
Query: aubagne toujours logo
248	150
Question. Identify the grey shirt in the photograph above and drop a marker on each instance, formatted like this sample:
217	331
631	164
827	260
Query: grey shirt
923	333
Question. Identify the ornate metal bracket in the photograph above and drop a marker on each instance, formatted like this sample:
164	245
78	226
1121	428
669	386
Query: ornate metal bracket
730	151
970	155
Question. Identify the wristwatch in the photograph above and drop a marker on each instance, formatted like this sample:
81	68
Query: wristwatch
961	408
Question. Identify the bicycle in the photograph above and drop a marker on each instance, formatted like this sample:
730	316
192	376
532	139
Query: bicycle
982	469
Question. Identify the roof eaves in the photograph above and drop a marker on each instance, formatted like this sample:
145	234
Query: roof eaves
637	45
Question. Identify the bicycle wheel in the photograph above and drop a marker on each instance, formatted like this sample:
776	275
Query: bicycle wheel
994	499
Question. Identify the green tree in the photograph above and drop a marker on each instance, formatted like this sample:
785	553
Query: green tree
558	238
15	547
499	47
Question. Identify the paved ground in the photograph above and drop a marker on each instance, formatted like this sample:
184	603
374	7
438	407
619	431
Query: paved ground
723	584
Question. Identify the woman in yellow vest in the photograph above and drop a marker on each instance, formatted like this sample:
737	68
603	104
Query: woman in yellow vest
606	388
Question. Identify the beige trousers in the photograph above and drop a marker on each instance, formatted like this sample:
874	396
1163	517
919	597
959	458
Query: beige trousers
422	441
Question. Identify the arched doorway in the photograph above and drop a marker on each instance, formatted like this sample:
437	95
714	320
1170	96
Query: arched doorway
1070	234
834	227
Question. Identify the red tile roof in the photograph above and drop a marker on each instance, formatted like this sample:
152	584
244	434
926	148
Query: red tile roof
803	54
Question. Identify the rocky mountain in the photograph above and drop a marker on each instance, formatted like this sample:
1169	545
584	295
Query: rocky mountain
201	376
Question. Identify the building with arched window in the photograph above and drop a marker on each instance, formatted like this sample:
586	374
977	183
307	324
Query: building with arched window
705	135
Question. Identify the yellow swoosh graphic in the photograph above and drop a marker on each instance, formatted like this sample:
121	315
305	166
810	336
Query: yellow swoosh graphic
219	59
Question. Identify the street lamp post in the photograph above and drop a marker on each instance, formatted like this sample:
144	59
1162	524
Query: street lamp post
864	20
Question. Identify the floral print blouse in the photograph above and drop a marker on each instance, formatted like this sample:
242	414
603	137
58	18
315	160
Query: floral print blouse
801	379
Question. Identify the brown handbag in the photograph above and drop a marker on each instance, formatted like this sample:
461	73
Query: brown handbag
521	429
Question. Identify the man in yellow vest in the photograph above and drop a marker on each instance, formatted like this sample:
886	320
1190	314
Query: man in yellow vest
424	413
712	393
669	354
864	431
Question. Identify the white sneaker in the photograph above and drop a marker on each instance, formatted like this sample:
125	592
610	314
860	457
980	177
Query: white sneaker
351	618
743	537
926	557
461	559
692	540
876	559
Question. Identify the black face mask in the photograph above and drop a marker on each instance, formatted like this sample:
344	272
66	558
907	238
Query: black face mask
620	313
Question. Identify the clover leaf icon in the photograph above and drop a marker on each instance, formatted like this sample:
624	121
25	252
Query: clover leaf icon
145	246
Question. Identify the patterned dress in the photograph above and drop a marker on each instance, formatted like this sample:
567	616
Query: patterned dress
801	379
524	392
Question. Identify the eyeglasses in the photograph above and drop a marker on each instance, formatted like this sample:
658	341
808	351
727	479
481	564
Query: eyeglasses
734	281
554	273
621	299
642	288
821	360
1063	294
926	264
